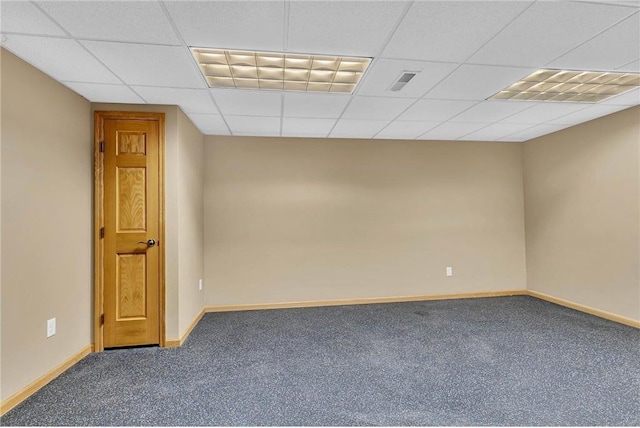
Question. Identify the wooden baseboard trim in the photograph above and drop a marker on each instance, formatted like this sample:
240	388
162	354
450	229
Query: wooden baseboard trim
363	301
341	302
587	309
36	385
193	324
175	343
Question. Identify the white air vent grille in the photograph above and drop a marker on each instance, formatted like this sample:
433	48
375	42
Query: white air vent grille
403	80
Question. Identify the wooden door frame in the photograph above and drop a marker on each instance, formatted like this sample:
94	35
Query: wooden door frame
98	222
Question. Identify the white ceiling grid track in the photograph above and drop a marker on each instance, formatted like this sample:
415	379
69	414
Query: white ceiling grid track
462	52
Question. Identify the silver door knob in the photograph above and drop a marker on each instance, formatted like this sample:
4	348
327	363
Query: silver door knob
149	243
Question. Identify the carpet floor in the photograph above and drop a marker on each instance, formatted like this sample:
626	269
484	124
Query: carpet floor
493	361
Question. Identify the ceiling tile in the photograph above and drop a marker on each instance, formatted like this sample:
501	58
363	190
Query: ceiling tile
256	25
446	100
24	17
495	132
249	103
253	125
546	30
477	82
633	66
149	64
349	128
209	124
534	132
631	98
586	114
618	45
491	111
511	139
628	3
100	93
130	21
304	127
314	104
189	100
544	112
385	72
451	131
449	30
406	130
376	108
341	27
62	59
435	110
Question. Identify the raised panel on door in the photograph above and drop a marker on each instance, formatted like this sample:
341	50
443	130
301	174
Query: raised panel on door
131	194
131	213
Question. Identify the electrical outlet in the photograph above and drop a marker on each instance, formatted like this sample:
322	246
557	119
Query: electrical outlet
200	285
449	270
51	327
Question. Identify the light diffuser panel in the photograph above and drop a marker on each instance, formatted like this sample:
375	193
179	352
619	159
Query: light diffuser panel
569	86
279	71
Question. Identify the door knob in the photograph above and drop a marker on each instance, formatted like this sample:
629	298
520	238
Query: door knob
149	243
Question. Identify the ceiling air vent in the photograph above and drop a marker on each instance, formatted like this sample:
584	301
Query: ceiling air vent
403	80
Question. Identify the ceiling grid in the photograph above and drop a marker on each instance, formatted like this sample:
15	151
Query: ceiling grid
454	70
184	44
404	13
637	13
37	6
140	52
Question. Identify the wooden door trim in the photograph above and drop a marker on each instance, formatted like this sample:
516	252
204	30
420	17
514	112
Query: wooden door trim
98	221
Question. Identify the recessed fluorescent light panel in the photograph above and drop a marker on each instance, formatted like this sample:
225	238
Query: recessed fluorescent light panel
280	71
569	86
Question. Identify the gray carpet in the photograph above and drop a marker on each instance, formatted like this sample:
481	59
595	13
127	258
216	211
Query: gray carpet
497	361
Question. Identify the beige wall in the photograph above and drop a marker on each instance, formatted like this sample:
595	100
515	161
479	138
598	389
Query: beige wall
47	180
46	223
290	219
309	219
190	221
582	188
1	56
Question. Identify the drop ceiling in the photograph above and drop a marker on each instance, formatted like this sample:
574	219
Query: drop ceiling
463	53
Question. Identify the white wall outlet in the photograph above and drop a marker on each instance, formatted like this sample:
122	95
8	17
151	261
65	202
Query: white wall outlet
51	327
449	270
200	285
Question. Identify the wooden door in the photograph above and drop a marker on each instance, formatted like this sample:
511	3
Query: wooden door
132	232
